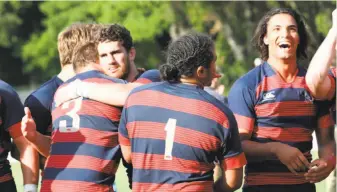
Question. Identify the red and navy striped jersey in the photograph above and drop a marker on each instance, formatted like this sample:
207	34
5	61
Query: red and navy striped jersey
149	76
272	110
85	152
40	104
176	132
11	113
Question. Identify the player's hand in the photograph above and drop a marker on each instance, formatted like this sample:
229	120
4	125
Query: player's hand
28	126
291	157
320	169
66	93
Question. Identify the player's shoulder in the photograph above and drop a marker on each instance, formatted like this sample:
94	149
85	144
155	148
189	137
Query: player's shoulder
150	86
6	90
47	88
95	77
253	78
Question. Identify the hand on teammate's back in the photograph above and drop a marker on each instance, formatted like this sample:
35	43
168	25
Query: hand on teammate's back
291	157
28	126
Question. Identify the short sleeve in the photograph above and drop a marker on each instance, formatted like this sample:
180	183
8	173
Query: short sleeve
40	114
149	76
241	102
123	136
12	109
232	154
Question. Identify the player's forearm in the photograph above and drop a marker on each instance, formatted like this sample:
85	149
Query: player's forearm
112	94
255	151
316	77
29	161
325	141
30	166
42	144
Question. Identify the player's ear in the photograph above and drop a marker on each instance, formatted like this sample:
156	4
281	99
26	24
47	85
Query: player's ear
132	54
265	40
201	72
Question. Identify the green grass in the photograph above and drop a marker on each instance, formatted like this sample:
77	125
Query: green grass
122	181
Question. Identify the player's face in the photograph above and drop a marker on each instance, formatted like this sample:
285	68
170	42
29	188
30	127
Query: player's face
211	71
282	37
114	59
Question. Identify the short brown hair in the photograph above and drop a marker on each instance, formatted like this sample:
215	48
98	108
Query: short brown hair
85	54
116	32
77	33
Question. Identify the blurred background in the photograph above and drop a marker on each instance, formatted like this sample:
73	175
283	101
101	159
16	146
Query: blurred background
28	36
29	30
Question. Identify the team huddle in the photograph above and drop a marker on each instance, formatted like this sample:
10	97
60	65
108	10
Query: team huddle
167	131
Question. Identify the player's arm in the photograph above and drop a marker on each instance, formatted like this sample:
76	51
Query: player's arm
39	141
28	156
112	94
322	167
124	141
241	102
317	78
232	159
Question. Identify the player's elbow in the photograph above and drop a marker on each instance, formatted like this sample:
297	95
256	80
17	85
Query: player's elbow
126	152
234	185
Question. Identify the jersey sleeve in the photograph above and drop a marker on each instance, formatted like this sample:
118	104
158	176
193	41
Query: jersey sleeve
13	111
40	114
241	102
149	76
232	154
123	136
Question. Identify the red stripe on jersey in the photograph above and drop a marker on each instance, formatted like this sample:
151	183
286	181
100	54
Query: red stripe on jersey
143	81
332	90
87	135
123	140
285	109
83	162
186	186
245	124
275	82
154	161
88	107
6	177
274	178
284	134
15	130
154	130
192	106
73	186
325	121
234	162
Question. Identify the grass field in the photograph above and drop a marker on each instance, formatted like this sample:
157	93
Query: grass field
121	179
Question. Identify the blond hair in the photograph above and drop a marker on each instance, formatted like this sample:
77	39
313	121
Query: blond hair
75	34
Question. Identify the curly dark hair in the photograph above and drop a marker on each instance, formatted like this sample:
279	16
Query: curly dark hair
185	55
116	32
261	31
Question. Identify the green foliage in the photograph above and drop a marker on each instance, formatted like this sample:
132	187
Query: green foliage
231	24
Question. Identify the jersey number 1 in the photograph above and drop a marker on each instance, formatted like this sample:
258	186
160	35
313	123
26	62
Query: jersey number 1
73	114
170	129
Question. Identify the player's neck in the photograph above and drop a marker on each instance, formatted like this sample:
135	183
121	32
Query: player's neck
66	73
133	72
287	69
191	81
87	68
